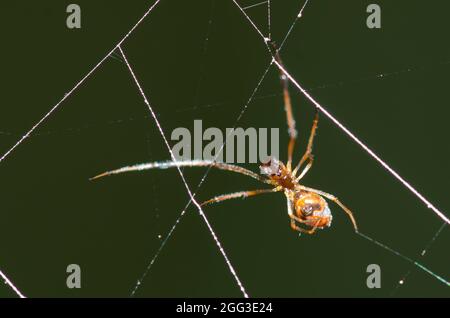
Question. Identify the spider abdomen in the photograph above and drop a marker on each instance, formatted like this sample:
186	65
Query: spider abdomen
312	209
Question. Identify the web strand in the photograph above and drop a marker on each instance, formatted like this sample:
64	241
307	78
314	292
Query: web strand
192	199
430	243
255	5
204	50
160	248
11	285
299	15
406	258
269	28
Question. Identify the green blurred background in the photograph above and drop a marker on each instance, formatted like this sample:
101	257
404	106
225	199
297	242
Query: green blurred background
52	216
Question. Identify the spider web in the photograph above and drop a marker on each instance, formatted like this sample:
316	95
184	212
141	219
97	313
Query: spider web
253	96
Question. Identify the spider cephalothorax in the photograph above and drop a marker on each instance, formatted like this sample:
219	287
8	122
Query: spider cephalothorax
277	173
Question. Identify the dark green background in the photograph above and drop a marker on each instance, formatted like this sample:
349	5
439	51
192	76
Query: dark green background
52	216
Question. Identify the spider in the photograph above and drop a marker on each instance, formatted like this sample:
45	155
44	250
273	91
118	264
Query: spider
306	207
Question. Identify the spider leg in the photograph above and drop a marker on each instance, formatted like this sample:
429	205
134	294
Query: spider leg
335	200
187	163
295	227
241	194
289	116
305	170
308	153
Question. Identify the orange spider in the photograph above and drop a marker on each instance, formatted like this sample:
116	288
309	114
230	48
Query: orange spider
306	206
